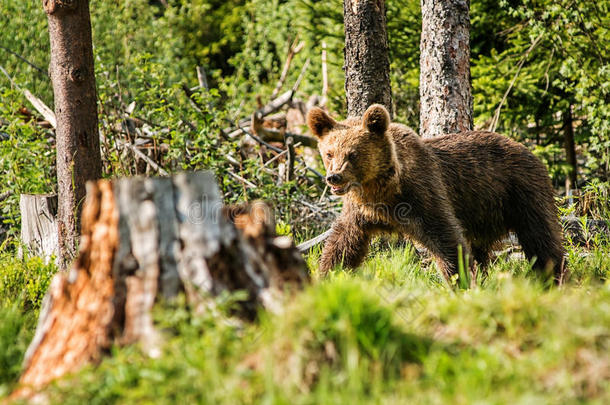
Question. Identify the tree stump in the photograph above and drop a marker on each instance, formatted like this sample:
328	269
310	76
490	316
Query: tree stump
144	239
39	224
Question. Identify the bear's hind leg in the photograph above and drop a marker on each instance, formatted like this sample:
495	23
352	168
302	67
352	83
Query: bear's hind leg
540	238
442	235
481	255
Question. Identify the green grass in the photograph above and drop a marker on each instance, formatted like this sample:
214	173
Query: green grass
23	282
390	332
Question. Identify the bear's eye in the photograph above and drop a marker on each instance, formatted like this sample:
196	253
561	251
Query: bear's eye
329	155
351	156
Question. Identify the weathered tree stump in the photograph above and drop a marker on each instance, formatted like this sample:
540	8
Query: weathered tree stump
144	239
39	224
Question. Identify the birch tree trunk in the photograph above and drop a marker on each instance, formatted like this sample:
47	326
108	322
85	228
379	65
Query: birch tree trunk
73	79
367	63
444	85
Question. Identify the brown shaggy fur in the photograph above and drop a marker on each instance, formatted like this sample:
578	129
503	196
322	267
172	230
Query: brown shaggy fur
467	189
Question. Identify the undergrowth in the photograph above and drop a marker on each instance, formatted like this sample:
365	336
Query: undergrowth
389	332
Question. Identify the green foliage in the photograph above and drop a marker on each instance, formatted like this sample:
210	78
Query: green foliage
24	32
16	332
353	329
27	158
211	30
555	56
145	54
387	332
23	284
23	280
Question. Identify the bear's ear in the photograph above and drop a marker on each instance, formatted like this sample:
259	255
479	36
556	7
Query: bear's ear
376	119
319	122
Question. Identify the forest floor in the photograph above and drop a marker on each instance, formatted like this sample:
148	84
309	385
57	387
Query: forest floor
389	332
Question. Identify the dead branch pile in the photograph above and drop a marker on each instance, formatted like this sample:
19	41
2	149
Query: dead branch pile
275	134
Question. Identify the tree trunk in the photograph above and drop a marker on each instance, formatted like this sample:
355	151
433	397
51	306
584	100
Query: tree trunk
146	239
367	63
568	134
444	81
39	224
73	78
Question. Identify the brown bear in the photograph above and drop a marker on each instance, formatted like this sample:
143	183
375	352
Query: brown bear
467	189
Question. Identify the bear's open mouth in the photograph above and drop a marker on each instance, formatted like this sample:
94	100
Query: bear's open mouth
339	190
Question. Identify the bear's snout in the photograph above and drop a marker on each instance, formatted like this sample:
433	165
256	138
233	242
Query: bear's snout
334	179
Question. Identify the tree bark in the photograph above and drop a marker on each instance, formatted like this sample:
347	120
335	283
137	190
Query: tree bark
568	133
444	85
147	239
367	63
78	150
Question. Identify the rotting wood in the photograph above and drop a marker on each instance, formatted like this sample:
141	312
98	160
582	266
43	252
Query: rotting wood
77	314
147	238
271	107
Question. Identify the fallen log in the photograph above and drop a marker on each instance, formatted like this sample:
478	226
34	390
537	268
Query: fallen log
273	106
274	135
143	239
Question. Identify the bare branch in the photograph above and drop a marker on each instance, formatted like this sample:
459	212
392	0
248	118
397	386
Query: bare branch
496	118
294	49
38	104
305	246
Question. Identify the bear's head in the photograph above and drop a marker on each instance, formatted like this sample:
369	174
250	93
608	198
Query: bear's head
355	152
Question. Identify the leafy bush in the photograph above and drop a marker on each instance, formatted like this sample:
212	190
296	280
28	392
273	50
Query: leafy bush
23	284
27	159
24	280
16	332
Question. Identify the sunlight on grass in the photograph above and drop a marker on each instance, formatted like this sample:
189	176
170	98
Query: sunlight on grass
385	332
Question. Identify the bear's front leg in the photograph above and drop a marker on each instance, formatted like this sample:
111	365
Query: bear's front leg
348	243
